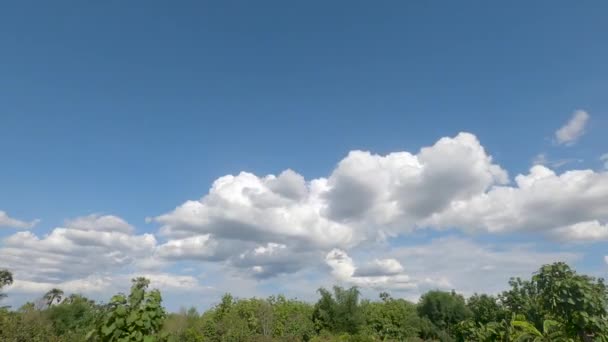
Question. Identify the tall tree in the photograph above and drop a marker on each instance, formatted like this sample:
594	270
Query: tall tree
339	312
579	302
54	295
485	308
443	309
6	278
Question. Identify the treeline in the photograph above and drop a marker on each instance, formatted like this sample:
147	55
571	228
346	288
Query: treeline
556	304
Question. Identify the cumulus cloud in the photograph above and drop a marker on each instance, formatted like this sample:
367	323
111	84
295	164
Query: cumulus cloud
368	197
87	246
9	222
573	130
380	274
540	201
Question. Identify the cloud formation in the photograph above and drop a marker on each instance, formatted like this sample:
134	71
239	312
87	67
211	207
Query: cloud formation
573	130
9	222
258	227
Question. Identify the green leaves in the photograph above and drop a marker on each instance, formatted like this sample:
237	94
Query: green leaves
138	317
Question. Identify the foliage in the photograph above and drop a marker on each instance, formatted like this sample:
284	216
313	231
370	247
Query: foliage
443	309
556	304
6	278
485	308
339	312
390	319
138	317
73	317
577	301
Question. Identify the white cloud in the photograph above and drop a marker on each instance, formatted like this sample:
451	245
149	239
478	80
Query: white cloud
7	221
542	159
379	267
98	222
75	252
582	231
540	201
90	284
368	197
573	130
168	281
195	247
385	274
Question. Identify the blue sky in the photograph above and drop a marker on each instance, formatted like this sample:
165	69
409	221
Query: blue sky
130	109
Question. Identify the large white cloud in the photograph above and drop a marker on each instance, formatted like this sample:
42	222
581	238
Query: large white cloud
574	129
368	197
10	222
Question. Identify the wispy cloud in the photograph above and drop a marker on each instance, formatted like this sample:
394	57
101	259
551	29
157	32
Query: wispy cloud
7	221
573	130
604	158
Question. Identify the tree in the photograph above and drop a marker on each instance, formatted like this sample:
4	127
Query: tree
523	299
485	309
339	312
390	319
579	302
74	317
6	278
443	309
137	317
54	295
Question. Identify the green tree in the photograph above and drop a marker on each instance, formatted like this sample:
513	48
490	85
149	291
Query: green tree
73	317
292	319
6	278
443	309
137	317
485	308
53	296
339	312
523	299
579	302
390	319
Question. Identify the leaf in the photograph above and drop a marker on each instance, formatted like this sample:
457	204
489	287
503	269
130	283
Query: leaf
107	330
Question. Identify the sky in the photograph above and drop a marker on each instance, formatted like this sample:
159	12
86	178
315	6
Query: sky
275	147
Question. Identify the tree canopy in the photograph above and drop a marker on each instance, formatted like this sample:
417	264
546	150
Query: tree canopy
555	304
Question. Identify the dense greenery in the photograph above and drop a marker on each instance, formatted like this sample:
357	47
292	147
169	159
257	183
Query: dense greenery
556	304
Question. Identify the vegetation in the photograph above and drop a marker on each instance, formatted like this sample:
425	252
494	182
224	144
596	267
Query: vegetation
556	304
